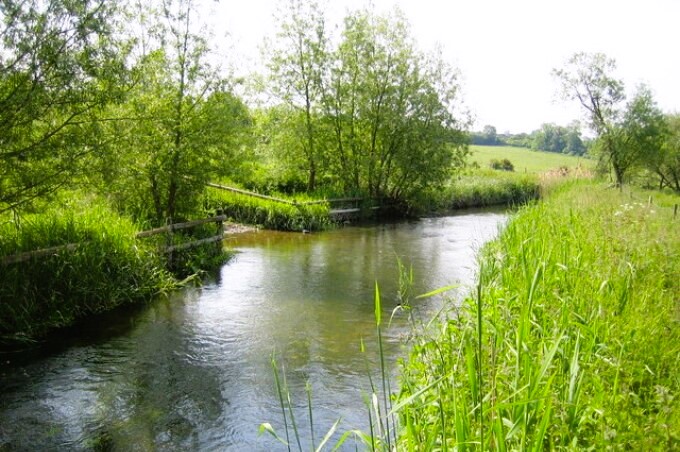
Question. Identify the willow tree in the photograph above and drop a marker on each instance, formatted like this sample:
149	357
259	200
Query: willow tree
622	130
298	60
392	110
60	65
182	124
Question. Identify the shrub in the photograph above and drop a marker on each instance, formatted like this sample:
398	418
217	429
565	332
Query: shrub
503	165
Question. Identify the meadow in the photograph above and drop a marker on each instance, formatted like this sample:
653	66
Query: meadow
526	160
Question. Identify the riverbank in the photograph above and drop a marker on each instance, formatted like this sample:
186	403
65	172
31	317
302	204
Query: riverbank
89	262
572	339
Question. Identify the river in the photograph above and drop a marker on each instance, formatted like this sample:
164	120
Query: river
193	371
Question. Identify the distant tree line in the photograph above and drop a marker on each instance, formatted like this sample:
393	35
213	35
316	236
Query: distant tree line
549	138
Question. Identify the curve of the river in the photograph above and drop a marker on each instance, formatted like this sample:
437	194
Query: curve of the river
193	372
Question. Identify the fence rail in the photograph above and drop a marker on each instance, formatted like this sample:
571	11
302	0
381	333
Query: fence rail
284	201
28	255
180	226
168	248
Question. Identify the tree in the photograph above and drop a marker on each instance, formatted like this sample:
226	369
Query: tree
587	78
391	110
640	134
60	65
666	162
489	134
183	125
297	68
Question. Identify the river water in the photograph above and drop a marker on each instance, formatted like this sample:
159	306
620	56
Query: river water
193	371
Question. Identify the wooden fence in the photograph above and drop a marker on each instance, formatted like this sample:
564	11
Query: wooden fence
169	247
339	211
171	228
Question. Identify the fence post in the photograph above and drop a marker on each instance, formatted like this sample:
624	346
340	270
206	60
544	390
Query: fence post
675	212
220	224
169	241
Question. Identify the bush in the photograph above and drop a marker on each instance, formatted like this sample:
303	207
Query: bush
503	165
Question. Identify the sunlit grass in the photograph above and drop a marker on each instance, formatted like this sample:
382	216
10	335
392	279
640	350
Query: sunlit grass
527	161
571	341
107	268
270	214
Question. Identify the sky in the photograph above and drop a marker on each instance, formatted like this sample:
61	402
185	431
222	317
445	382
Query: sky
504	50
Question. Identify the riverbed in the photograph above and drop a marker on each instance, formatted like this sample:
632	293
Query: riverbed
193	371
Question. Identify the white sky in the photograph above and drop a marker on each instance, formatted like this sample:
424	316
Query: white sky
505	50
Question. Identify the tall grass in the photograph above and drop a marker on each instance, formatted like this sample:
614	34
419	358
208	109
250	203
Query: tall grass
484	188
269	214
571	341
108	268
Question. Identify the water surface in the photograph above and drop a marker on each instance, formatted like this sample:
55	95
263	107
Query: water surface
193	372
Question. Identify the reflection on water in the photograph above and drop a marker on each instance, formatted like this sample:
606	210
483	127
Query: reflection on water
193	372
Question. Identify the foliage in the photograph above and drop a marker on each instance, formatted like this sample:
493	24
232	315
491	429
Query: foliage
488	137
503	165
627	135
569	341
553	138
372	115
108	268
179	126
60	64
549	138
665	162
297	70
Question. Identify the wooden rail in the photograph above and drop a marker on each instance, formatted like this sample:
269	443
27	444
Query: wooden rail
171	228
28	255
284	201
168	248
180	226
251	193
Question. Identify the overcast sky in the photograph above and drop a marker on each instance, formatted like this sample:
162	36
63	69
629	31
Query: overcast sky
506	49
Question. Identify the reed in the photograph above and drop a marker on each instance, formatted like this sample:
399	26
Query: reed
571	340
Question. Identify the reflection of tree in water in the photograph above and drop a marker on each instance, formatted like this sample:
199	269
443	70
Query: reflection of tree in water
165	396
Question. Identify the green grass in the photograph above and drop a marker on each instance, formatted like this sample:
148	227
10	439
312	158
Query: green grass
108	268
270	214
525	160
481	188
571	339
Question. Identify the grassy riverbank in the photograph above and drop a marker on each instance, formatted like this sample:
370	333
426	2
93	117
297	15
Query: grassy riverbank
571	340
270	214
93	264
483	188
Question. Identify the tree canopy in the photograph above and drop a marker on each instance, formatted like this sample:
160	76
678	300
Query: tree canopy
626	133
60	65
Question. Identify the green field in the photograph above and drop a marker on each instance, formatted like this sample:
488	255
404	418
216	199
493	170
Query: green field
526	160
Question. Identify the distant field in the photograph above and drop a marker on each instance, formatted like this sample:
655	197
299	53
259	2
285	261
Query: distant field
526	160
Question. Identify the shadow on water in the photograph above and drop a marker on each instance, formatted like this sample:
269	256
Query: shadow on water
193	371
